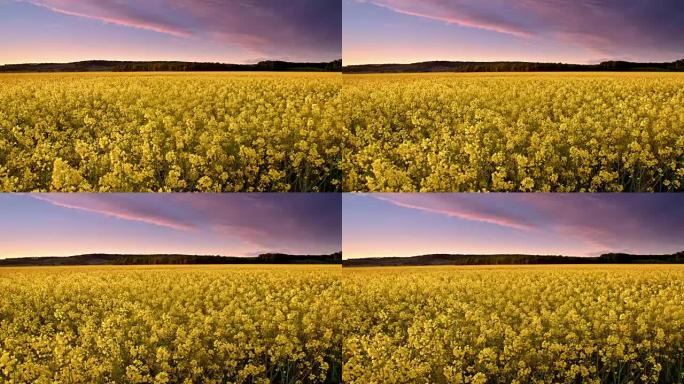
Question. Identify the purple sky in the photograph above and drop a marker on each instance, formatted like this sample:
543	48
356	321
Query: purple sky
193	30
577	31
376	225
226	224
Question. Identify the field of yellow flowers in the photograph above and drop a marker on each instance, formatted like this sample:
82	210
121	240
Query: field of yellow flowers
189	324
170	132
514	132
514	324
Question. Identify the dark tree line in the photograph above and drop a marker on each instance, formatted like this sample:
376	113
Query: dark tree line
268	258
512	66
447	259
166	259
277	66
176	66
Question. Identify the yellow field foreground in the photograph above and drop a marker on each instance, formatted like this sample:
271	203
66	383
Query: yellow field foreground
202	324
515	324
317	324
139	132
514	132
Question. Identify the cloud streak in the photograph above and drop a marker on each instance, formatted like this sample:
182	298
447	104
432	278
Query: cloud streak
625	222
117	207
106	13
265	27
463	13
463	207
267	221
612	28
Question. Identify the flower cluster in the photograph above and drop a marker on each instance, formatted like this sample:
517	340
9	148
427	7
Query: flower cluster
514	132
170	132
170	325
537	324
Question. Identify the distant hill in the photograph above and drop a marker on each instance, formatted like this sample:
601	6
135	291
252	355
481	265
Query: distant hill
511	66
179	66
448	259
113	259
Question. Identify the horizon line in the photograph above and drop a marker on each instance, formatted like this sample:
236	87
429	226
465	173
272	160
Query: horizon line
167	61
509	61
164	254
514	254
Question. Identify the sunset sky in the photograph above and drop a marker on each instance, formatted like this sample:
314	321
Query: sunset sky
224	224
572	31
377	225
244	31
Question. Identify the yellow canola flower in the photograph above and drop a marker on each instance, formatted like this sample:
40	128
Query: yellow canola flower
514	132
141	132
514	324
149	324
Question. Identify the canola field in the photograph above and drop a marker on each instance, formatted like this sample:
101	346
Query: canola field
188	324
169	132
514	324
514	132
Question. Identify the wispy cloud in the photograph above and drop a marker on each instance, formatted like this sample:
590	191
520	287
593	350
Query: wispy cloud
117	206
611	28
459	12
268	221
263	27
107	12
610	221
458	206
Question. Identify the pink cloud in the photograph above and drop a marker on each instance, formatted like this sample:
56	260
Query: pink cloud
463	13
458	207
297	28
610	28
101	13
266	221
111	207
601	221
